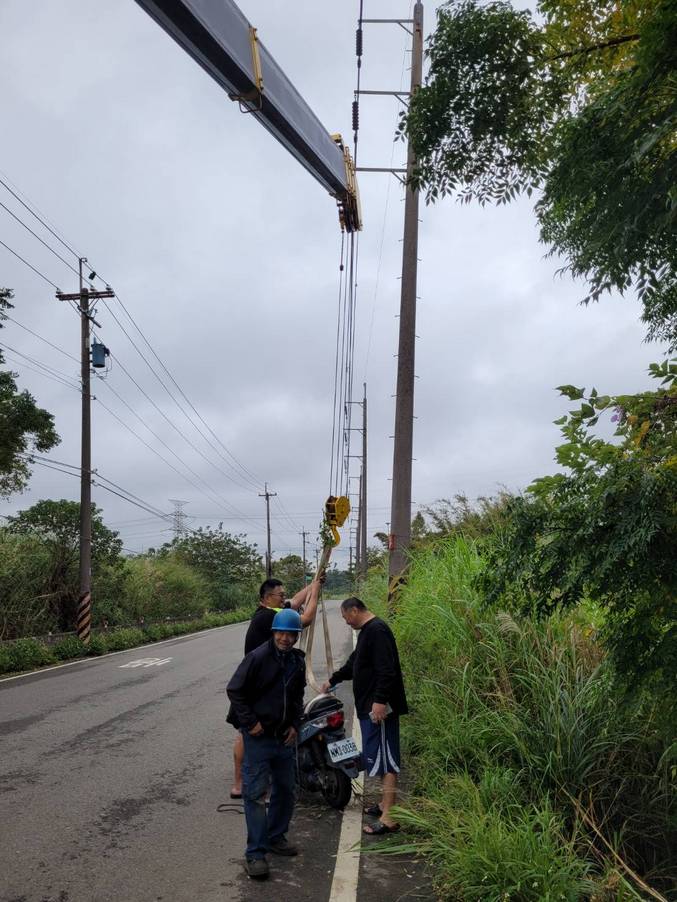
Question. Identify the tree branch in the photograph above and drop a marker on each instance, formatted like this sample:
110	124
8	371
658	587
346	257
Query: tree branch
613	42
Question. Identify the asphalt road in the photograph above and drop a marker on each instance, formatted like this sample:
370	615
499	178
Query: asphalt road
115	778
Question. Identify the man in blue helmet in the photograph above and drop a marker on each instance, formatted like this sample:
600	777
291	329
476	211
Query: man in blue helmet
266	705
272	599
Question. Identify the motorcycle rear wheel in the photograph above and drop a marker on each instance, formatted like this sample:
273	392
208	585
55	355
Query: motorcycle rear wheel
336	788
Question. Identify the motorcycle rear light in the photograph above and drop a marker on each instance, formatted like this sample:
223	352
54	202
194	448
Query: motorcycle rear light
335	720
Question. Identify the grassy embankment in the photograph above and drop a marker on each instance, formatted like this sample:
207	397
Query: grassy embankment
532	777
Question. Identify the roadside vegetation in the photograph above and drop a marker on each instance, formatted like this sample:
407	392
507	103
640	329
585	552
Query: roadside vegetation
538	636
209	578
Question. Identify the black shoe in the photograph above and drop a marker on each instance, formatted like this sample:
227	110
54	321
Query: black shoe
282	847
257	868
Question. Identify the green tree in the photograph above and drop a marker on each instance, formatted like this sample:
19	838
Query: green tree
578	101
228	562
56	524
605	530
290	570
23	425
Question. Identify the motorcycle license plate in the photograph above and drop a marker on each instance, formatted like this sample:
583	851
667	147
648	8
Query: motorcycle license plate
344	748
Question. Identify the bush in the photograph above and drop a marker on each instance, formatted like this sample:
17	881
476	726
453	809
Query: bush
70	647
525	708
163	587
124	638
25	654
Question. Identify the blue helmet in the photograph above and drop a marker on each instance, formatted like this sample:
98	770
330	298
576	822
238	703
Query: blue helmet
287	621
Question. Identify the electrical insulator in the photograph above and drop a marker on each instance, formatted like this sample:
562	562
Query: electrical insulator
356	115
358	42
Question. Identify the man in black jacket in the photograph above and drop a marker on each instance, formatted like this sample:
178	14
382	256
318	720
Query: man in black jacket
374	668
266	705
271	600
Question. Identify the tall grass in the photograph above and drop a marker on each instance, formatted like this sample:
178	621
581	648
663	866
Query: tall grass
533	777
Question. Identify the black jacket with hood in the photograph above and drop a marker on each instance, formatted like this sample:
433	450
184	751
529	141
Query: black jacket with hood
268	688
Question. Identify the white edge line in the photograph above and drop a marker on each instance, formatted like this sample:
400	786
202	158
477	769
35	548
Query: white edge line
347	868
109	654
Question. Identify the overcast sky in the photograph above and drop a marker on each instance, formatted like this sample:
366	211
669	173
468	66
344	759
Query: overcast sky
225	251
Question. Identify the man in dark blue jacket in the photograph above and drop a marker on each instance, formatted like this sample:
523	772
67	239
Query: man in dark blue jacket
266	705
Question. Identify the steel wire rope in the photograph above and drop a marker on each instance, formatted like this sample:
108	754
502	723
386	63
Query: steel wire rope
210	489
169	393
336	365
341	349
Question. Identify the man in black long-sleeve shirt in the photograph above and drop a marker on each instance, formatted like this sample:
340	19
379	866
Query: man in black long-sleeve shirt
380	699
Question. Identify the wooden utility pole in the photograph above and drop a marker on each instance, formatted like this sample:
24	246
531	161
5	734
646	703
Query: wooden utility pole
399	539
269	561
83	297
362	552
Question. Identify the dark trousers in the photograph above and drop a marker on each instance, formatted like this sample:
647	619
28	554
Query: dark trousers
267	762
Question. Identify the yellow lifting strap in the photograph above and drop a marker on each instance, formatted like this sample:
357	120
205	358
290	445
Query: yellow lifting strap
336	511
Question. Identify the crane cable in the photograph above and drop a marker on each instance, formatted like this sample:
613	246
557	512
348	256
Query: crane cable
338	505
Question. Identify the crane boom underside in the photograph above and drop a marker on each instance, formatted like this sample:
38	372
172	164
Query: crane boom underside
218	36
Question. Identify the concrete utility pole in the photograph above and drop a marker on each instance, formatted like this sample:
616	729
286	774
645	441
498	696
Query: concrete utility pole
305	567
399	539
83	297
362	549
269	561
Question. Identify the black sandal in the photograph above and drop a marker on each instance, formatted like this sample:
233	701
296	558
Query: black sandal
380	829
373	811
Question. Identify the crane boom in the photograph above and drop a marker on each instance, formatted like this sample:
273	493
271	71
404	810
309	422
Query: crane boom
218	37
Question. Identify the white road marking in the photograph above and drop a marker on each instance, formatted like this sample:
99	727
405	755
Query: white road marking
123	651
145	662
347	869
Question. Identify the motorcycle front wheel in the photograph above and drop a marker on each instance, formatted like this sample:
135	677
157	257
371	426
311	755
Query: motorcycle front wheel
336	788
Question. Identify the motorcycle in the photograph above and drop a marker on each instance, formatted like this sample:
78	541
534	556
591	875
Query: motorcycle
327	760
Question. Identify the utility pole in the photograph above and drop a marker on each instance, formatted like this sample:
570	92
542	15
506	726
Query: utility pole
83	297
399	539
269	561
362	549
358	531
305	568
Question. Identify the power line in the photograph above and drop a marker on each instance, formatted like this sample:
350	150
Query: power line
256	482
35	235
176	428
178	431
42	371
33	213
150	448
171	451
46	341
30	266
